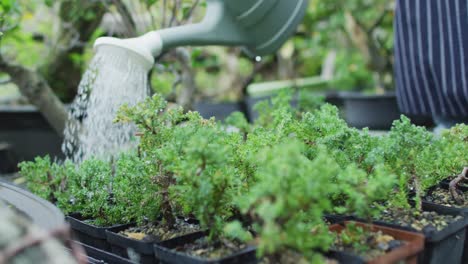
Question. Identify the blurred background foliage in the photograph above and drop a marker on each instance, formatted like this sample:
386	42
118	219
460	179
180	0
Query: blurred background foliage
354	38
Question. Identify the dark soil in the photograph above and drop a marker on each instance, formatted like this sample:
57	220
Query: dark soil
370	246
157	232
443	197
206	249
421	221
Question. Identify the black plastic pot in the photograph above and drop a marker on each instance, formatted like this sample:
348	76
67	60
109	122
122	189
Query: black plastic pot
166	253
8	160
28	133
458	210
445	246
143	250
218	110
99	256
375	111
334	218
120	244
88	234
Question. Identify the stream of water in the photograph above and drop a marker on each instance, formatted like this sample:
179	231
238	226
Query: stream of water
112	79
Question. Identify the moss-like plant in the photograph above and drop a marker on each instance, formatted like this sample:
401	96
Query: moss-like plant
107	193
288	201
133	192
207	179
347	145
157	149
47	179
191	161
362	194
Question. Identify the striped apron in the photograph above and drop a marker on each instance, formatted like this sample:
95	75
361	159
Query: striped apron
431	57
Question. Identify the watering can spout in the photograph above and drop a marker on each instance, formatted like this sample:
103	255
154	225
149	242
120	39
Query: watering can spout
261	26
146	46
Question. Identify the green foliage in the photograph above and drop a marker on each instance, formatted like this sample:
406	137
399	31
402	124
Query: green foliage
282	173
206	177
288	200
133	192
90	192
403	152
273	113
353	236
356	60
361	194
238	120
10	13
191	160
108	193
351	72
45	178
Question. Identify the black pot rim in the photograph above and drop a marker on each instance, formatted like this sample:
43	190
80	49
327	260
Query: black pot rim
363	96
41	212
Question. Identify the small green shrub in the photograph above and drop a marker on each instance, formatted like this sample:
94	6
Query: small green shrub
288	201
47	179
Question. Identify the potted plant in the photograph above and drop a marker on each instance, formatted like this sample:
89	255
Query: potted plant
408	151
447	192
192	159
402	151
286	203
84	193
158	214
361	194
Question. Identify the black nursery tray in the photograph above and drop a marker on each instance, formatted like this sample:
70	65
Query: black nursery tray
166	253
88	234
120	244
96	255
455	210
445	246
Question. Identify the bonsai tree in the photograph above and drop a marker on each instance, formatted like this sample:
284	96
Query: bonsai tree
190	160
155	126
288	201
207	179
454	143
106	193
348	145
362	194
46	179
133	192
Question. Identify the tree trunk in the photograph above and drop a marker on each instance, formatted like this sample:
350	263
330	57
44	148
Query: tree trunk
185	99
61	71
360	38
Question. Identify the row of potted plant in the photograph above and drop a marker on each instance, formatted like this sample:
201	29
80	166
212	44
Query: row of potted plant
282	190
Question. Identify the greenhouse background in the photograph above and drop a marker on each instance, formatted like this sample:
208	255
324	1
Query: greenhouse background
247	131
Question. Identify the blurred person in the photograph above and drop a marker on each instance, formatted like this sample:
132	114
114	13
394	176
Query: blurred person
431	59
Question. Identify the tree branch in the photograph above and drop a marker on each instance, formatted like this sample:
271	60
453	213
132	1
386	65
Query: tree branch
453	186
127	18
36	89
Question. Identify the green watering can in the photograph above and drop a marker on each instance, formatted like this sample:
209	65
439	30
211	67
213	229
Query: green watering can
260	26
